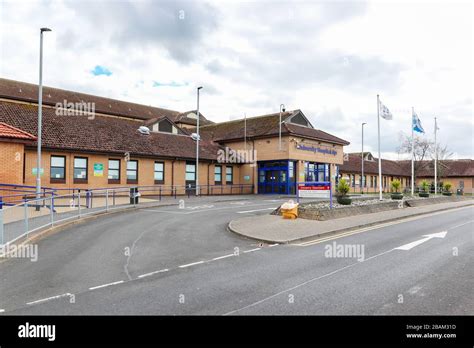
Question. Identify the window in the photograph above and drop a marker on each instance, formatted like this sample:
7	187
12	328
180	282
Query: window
229	175
353	180
159	173
114	171
218	175
58	169
132	172
190	172
80	170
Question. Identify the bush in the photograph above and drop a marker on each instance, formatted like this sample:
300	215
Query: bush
396	185
447	187
343	187
425	185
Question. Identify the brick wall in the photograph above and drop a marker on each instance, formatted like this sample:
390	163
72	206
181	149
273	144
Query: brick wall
11	163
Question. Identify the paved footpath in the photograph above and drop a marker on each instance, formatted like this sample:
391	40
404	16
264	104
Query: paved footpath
279	230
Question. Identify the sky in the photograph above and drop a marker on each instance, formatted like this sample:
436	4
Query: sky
328	58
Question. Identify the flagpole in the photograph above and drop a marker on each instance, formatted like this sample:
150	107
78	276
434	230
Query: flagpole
412	154
436	161
380	160
245	131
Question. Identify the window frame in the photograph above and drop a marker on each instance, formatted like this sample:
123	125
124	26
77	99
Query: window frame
186	172
231	182
218	182
114	181
158	171
80	180
57	180
132	181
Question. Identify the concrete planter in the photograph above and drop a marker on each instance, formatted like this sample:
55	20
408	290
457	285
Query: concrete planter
396	195
447	193
344	200
329	214
424	194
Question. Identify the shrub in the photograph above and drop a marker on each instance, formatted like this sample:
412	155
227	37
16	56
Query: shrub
447	187
425	185
395	185
343	187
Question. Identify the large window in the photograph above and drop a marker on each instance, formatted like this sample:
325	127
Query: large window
80	170
114	171
229	175
316	171
159	173
58	169
190	173
218	175
132	172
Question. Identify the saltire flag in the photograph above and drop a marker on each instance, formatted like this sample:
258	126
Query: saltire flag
385	112
417	123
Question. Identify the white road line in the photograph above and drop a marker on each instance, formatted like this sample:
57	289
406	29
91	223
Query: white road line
151	273
2	310
272	245
191	264
466	223
249	251
201	210
104	285
48	298
306	282
222	257
251	211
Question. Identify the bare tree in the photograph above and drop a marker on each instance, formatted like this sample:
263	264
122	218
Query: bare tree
422	151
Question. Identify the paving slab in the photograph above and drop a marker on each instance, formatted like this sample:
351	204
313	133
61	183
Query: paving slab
275	229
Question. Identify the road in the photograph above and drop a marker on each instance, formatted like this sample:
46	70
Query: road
184	261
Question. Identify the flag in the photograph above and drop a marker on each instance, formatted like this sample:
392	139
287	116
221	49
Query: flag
417	123
385	112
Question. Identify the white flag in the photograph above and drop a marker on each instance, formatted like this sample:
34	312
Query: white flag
385	112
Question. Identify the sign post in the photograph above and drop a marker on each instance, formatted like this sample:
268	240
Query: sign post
320	189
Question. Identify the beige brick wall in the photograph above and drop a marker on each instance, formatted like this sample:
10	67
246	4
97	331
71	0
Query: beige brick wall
11	163
174	173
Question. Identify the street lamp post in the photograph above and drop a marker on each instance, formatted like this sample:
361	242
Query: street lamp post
282	109
362	181
40	117
197	143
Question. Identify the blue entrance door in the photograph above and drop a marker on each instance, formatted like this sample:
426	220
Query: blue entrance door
273	178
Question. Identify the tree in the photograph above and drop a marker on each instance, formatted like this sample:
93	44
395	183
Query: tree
443	154
422	151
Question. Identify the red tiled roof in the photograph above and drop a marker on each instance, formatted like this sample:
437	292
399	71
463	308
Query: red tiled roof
27	92
101	134
448	168
7	131
263	126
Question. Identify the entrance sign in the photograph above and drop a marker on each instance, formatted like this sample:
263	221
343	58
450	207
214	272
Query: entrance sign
314	190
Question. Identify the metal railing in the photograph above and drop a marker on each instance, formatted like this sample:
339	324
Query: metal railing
19	220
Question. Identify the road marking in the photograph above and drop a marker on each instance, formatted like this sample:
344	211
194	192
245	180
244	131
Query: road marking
191	264
411	245
272	245
466	223
249	251
378	226
105	285
251	211
199	211
49	298
151	273
306	282
2	310
222	257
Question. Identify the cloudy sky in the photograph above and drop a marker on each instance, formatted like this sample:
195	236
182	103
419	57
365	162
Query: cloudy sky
328	58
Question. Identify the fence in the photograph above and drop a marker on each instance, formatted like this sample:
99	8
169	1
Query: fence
30	215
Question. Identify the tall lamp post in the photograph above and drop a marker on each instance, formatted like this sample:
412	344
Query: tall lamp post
40	117
282	109
362	181
197	143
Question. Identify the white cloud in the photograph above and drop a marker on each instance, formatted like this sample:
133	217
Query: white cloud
329	59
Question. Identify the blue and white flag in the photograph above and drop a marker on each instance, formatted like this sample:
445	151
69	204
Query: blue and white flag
417	123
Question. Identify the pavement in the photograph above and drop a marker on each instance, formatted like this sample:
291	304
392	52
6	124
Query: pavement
279	230
166	260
